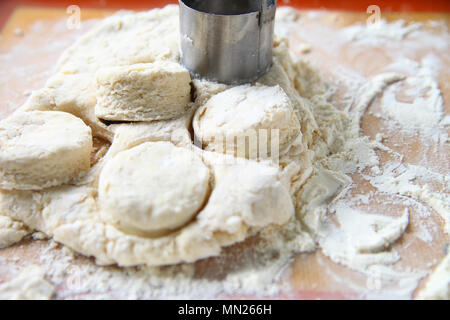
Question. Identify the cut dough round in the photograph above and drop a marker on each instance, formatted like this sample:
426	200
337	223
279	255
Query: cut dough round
41	149
143	92
247	121
153	188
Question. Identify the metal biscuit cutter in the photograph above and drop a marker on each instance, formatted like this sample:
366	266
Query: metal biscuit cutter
228	41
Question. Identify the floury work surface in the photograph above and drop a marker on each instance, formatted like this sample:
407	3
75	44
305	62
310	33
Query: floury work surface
378	233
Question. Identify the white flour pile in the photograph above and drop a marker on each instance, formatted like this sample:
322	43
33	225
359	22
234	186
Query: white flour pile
300	196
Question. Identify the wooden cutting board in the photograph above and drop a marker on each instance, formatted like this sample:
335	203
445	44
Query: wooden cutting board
33	39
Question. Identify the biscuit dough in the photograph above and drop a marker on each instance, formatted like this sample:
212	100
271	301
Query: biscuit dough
243	121
123	39
42	149
143	92
72	93
153	188
11	231
244	198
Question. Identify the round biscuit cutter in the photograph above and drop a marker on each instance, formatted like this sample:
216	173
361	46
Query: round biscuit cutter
227	41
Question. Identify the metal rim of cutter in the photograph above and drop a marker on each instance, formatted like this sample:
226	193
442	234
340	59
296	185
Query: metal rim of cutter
228	7
228	41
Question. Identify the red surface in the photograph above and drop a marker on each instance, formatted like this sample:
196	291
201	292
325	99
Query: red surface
8	6
358	5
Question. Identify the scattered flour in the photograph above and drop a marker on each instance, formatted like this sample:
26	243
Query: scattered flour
416	103
403	179
380	31
30	284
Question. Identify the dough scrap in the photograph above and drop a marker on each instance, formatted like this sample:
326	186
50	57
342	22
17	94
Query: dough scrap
245	120
41	149
143	92
438	285
11	231
30	284
153	188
